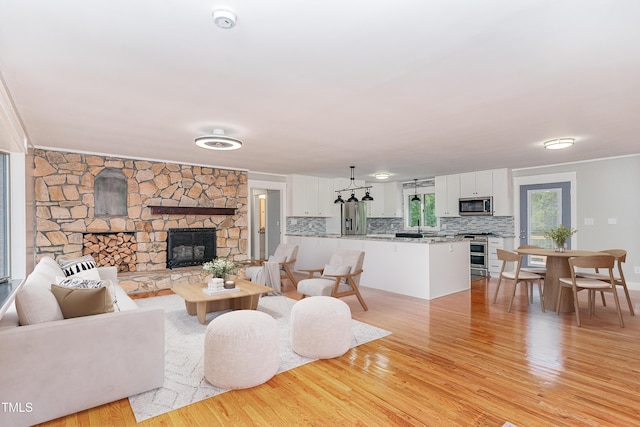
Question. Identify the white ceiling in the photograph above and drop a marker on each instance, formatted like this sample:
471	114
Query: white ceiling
416	88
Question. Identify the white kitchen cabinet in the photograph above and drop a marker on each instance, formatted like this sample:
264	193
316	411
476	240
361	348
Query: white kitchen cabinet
310	196
494	264
447	195
325	197
476	184
502	190
387	200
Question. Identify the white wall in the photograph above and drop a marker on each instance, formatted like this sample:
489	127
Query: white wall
607	190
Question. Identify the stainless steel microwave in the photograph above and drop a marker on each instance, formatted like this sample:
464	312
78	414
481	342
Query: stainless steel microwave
475	206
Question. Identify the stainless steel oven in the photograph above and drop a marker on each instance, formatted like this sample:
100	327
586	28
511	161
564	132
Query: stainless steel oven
479	253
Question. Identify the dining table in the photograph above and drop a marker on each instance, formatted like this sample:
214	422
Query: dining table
557	266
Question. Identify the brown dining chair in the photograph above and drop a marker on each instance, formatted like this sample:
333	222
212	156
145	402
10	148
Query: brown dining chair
541	271
535	270
517	276
621	256
578	283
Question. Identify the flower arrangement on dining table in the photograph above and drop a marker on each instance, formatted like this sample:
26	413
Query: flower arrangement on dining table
559	235
219	267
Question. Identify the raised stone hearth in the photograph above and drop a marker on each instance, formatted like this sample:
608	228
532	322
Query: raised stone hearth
65	205
153	281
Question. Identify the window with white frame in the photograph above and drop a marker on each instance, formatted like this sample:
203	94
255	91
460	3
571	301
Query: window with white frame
4	215
420	208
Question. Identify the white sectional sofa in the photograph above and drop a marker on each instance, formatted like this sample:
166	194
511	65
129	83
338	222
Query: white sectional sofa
54	366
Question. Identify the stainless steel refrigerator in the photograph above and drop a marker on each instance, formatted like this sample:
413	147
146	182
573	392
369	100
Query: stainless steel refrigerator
354	218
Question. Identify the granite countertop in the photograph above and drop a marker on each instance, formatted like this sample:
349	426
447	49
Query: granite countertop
382	237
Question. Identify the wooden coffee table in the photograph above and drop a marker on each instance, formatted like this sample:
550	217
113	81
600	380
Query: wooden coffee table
197	302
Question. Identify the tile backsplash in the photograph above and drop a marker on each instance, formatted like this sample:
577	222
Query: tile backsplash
499	225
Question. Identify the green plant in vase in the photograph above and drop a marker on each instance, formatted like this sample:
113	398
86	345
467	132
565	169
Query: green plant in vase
219	267
559	236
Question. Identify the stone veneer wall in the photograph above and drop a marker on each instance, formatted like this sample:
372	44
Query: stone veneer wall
64	205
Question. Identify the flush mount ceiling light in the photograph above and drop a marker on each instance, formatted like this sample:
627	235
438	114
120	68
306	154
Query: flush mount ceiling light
218	141
352	188
224	19
382	175
559	143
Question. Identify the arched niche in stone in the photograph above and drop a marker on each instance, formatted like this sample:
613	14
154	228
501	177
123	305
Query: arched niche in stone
110	187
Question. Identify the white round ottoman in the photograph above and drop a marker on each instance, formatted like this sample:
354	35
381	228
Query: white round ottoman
241	349
320	327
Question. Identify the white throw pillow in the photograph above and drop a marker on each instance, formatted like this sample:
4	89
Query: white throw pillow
335	270
84	267
36	304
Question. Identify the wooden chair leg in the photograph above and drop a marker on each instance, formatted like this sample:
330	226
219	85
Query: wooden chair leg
626	293
530	292
541	295
617	301
604	302
362	303
575	304
290	276
495	296
513	294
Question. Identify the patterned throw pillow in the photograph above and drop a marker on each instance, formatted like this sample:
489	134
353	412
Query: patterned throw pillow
79	282
84	267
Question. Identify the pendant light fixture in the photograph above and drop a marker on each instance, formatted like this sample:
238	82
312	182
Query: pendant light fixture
352	188
415	197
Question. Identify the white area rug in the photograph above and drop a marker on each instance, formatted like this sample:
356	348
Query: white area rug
184	381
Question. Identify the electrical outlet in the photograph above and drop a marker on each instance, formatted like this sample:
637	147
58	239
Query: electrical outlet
637	271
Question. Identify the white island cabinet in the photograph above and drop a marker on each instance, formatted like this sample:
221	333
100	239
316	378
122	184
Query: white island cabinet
419	268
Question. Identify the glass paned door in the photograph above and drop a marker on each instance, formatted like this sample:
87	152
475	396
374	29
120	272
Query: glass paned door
543	206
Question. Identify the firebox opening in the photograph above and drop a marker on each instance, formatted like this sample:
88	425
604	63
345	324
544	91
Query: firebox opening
190	246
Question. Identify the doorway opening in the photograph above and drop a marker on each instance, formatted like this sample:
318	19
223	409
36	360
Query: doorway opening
265	222
544	202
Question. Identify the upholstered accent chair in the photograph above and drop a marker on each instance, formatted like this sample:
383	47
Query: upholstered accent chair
286	255
339	278
278	267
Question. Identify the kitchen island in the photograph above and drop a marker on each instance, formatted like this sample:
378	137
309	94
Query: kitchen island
425	268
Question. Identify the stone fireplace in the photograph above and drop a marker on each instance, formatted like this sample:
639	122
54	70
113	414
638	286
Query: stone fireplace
190	197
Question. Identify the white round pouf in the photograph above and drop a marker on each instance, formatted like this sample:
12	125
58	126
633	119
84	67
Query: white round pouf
241	349
320	327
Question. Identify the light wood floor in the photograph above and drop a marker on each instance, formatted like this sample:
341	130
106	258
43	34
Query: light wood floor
454	361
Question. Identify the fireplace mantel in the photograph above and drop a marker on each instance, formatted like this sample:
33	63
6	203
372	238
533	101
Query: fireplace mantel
191	210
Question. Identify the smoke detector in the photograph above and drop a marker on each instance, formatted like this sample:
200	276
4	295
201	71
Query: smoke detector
224	19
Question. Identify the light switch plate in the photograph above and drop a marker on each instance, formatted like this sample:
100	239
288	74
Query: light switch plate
588	221
612	221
